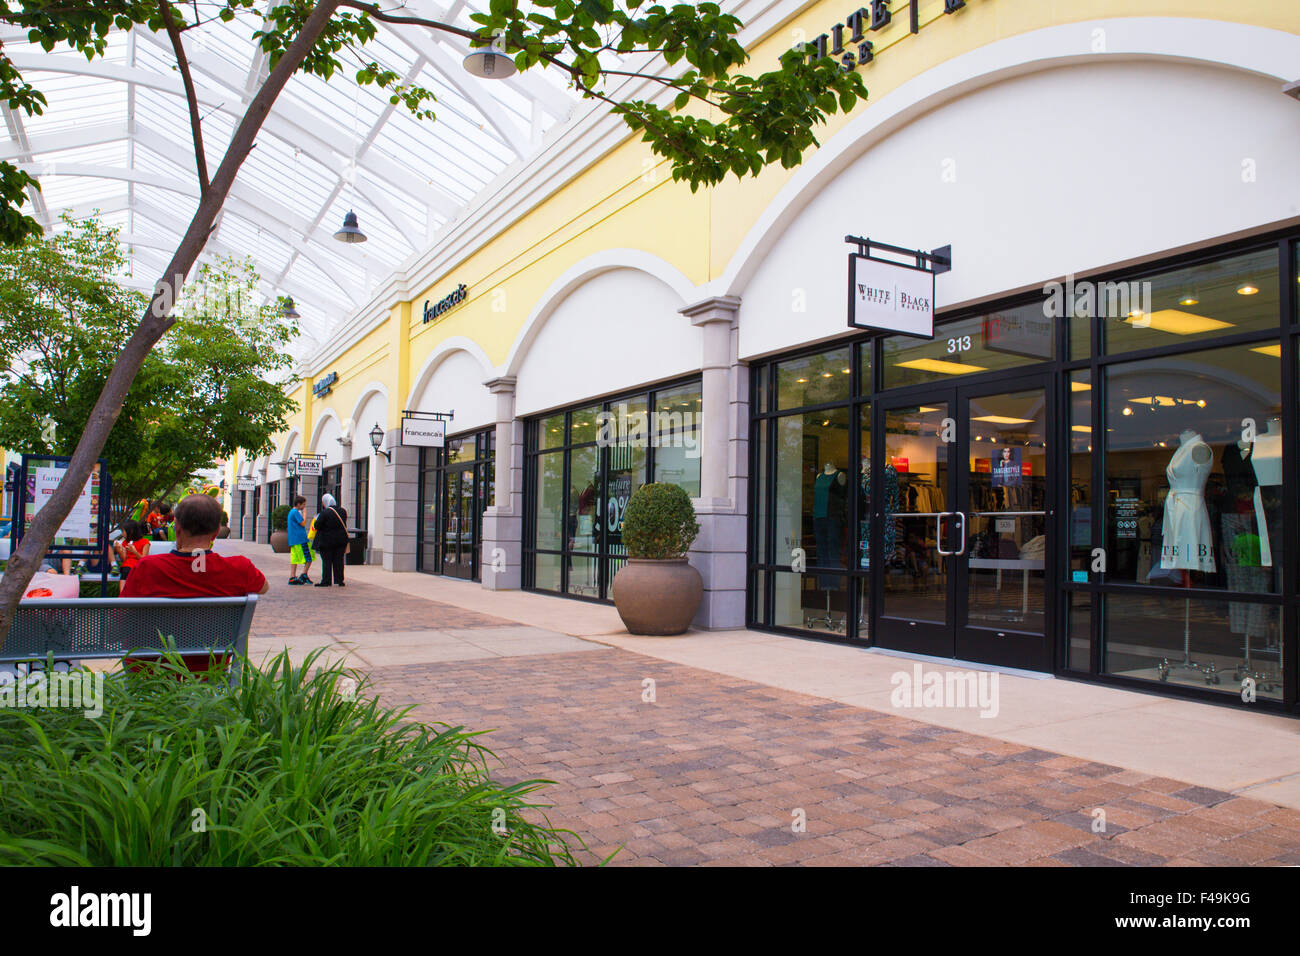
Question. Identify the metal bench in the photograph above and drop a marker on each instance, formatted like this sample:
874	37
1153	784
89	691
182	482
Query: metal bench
88	628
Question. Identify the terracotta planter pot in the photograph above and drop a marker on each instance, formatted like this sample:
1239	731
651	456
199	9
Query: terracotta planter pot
657	597
223	532
280	542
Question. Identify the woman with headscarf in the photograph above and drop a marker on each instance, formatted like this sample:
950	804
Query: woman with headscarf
331	540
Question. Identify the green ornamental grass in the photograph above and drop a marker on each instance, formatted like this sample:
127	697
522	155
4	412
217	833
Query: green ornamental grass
285	769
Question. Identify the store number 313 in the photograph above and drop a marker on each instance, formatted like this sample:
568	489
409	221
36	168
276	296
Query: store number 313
960	344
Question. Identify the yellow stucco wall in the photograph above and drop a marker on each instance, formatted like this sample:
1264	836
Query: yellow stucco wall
627	198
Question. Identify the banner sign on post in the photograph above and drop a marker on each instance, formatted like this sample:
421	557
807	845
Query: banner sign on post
891	295
424	433
84	532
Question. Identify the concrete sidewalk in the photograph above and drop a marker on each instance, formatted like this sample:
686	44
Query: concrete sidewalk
1223	748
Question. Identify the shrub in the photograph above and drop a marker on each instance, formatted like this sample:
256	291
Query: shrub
280	518
285	768
659	522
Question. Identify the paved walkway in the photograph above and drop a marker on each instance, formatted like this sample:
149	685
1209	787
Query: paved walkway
721	767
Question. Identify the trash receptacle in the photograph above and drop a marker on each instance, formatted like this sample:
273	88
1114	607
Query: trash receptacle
356	547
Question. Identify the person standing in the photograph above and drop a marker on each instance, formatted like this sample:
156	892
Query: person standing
299	547
331	540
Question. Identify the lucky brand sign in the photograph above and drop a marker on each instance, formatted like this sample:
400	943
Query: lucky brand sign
891	297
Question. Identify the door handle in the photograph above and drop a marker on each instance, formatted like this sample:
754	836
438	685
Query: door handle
938	532
962	550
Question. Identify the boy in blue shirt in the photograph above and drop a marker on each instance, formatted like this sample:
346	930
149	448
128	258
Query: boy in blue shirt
299	547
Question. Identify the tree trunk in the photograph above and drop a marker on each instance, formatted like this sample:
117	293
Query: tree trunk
155	323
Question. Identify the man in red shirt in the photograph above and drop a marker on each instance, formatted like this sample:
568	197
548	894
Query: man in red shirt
194	570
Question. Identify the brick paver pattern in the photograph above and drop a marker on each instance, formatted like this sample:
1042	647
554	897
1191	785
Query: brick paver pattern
358	608
716	769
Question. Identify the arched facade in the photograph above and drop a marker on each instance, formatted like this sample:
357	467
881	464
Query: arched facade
1042	153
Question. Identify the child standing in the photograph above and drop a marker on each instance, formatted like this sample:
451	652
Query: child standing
299	547
133	546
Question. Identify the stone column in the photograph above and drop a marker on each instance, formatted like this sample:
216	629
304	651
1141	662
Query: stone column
262	531
719	553
501	559
348	484
401	503
309	488
236	524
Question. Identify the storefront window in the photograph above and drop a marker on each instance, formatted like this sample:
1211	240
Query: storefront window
813	379
676	438
1194	470
1184	641
1080	397
615	447
864	368
361	504
1224	297
998	340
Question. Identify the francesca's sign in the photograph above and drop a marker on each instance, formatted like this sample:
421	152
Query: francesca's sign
890	296
445	304
424	433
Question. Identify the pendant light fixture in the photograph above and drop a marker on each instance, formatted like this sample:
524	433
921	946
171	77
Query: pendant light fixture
351	231
491	62
289	311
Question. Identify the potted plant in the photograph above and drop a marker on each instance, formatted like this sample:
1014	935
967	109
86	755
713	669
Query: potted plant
224	530
657	592
280	529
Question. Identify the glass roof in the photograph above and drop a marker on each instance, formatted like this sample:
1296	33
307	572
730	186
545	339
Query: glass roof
115	137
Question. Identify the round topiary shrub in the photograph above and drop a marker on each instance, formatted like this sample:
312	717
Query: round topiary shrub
659	522
280	518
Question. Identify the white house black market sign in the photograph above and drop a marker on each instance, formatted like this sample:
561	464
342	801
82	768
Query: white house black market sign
445	304
325	385
875	16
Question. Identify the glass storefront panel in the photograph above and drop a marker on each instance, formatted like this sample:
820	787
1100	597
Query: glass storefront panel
811	601
548	501
550	432
812	489
584	425
428	538
361	502
862	557
1194	470
813	379
582	576
864	350
584	500
1192	642
1078	624
676	438
1225	297
1006	527
1080	398
1005	339
615	446
546	571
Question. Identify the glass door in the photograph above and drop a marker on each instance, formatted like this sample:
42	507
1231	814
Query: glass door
962	540
916	529
458	523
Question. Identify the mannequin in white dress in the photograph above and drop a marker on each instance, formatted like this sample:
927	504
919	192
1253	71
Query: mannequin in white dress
1266	456
1187	541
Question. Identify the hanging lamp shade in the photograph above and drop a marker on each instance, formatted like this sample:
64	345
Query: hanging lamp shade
491	63
351	231
289	311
